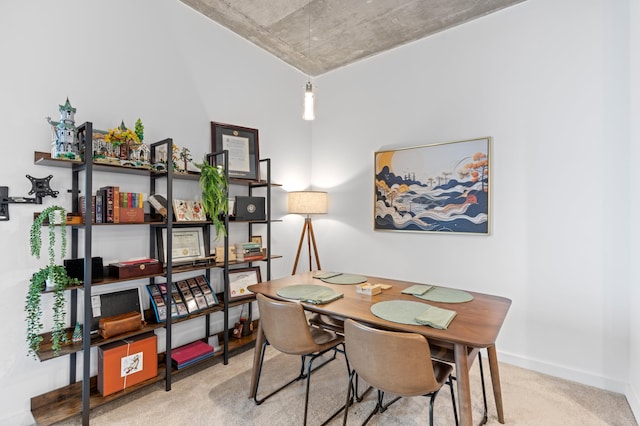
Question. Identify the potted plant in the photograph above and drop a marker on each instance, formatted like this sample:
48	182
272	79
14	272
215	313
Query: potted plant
52	277
215	190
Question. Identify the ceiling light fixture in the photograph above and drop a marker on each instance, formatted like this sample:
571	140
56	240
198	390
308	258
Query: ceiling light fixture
309	96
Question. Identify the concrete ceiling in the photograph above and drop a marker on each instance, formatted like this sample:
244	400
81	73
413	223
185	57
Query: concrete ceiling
317	36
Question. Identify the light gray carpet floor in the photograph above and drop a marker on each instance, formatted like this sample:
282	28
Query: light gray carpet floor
218	395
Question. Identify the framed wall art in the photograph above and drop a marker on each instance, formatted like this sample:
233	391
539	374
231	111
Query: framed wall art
442	187
240	278
242	144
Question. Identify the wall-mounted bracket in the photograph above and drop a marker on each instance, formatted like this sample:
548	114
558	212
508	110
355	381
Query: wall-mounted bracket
39	186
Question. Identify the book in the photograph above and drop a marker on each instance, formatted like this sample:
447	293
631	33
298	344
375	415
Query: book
188	210
107	203
81	207
99	208
190	353
159	203
116	205
193	361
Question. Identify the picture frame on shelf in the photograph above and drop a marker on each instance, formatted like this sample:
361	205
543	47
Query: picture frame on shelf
188	245
242	144
240	279
442	187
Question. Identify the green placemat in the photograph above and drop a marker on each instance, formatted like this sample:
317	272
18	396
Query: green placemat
417	289
310	293
445	295
324	275
413	313
345	279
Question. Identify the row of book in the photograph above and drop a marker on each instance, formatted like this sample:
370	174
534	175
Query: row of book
110	205
189	296
249	251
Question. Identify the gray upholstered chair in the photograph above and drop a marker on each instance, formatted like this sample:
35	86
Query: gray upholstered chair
394	362
286	328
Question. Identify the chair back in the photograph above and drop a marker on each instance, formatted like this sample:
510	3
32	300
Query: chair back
394	362
285	326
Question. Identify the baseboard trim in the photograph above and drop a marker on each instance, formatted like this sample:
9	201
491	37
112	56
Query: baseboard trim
634	401
579	376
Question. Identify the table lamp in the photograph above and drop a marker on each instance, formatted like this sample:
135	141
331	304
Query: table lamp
308	203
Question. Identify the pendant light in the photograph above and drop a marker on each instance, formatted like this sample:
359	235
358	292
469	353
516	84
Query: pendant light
309	96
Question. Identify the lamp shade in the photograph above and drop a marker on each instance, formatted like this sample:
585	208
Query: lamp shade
308	202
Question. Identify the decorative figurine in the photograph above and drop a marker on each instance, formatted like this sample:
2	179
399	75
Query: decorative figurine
64	143
77	334
185	156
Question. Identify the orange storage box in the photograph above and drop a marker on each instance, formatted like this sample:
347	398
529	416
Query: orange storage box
127	362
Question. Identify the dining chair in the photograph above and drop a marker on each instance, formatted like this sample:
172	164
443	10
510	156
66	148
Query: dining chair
395	362
286	328
445	354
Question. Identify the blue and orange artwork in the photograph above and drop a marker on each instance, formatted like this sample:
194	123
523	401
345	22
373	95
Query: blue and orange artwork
436	188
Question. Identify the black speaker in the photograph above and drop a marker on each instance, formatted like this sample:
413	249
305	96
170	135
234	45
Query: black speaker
75	268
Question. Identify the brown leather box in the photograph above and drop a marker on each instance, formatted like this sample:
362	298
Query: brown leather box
127	362
131	215
135	268
120	324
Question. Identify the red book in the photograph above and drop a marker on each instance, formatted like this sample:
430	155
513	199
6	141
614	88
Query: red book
190	351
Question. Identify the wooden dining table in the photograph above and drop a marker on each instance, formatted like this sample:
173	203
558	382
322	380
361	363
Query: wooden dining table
476	325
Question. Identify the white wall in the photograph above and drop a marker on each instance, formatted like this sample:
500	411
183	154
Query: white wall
547	83
548	80
633	391
120	60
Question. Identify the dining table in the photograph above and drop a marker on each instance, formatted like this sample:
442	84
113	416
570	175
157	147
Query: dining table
476	324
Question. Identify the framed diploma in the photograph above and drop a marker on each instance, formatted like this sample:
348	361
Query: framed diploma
188	245
239	279
242	145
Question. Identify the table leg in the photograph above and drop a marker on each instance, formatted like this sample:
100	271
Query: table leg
464	390
495	381
256	360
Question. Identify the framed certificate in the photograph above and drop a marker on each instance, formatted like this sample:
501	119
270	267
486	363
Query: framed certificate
242	145
188	245
240	279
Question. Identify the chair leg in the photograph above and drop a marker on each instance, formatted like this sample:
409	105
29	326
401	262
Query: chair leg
485	417
431	400
453	399
255	396
484	392
348	402
383	407
349	397
376	409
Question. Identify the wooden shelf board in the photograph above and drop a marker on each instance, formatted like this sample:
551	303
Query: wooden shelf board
46	353
66	402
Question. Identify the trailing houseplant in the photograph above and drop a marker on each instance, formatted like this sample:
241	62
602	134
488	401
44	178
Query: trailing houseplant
215	190
52	276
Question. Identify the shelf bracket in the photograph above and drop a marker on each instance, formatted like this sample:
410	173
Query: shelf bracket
39	186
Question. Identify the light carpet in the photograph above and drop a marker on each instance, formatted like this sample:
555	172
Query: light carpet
218	395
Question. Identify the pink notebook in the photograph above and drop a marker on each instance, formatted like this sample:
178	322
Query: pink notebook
192	350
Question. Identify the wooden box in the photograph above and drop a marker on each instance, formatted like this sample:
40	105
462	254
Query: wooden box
131	215
135	268
127	362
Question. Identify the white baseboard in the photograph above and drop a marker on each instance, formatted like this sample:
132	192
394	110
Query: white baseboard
563	372
634	401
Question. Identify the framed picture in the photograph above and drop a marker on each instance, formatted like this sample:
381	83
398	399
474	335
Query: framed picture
240	278
443	187
257	239
242	144
188	245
